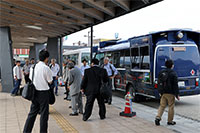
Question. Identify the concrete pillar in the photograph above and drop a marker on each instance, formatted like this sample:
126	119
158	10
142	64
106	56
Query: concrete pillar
53	48
6	59
38	48
34	51
61	55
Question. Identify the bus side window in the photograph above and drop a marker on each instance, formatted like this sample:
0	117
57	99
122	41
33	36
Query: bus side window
116	59
121	65
127	58
135	58
145	58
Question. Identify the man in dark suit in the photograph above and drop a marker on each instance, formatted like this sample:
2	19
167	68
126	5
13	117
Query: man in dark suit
90	85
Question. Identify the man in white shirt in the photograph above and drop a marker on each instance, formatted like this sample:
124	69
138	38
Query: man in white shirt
55	68
40	103
84	66
17	71
112	72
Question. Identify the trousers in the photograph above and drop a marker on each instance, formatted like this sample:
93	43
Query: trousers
39	104
170	100
55	82
76	102
16	86
89	105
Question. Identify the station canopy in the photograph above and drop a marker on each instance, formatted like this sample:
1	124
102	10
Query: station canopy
33	21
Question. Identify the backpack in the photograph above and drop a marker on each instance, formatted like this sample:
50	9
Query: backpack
163	81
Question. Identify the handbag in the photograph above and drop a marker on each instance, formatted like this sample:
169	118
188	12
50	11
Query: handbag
28	92
104	92
52	98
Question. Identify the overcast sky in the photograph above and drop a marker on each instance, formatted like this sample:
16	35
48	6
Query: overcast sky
164	15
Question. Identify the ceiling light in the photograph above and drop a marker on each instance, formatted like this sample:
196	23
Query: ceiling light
32	38
33	27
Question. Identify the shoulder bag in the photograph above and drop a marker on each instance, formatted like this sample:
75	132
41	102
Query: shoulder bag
29	89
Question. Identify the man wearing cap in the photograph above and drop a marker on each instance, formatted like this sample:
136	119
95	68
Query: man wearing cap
74	81
112	72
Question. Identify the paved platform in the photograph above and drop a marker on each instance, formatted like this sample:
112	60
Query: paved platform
14	111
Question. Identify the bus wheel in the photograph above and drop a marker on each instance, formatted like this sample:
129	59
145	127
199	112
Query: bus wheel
132	91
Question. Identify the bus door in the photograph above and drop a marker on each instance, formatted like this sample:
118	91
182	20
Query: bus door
118	62
140	72
186	64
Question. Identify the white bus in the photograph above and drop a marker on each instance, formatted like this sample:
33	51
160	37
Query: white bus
78	55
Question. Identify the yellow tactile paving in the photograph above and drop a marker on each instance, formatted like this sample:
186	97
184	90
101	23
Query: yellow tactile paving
61	121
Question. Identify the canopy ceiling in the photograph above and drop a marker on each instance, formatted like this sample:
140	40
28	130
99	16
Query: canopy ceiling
33	21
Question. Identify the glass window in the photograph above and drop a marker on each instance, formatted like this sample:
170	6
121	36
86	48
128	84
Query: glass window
127	59
116	59
145	59
135	58
85	56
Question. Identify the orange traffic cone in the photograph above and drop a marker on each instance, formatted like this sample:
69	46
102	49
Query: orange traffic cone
128	107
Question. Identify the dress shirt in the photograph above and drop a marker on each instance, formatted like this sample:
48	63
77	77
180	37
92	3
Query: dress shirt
42	76
55	69
108	69
26	68
83	69
17	71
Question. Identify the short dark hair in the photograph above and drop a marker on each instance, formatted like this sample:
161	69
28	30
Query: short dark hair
73	62
18	61
43	55
95	61
84	60
32	59
169	63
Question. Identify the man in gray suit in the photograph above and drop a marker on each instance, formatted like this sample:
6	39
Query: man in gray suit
74	82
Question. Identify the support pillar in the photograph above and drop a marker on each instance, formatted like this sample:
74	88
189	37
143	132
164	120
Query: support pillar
52	47
6	59
34	51
61	55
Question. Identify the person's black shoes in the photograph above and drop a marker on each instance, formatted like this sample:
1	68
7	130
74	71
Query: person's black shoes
102	118
171	123
80	112
84	119
56	94
65	98
109	103
70	107
157	122
13	95
73	114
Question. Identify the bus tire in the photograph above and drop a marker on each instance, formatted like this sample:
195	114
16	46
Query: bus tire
132	91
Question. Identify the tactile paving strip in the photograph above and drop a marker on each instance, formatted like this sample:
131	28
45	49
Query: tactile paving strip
61	121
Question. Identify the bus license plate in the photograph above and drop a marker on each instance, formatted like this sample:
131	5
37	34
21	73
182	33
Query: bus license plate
181	84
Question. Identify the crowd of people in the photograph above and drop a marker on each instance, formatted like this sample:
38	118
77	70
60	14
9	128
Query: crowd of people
86	80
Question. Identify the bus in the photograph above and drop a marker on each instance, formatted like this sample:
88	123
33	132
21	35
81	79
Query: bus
140	59
78	55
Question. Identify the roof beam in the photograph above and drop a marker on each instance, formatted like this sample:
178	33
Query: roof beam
79	7
100	5
124	4
58	8
35	8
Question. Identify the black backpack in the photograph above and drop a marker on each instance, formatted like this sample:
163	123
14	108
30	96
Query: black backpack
163	81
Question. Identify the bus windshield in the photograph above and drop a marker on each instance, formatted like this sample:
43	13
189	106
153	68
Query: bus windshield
186	59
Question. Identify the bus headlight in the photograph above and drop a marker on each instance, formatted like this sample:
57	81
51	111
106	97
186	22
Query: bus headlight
179	35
